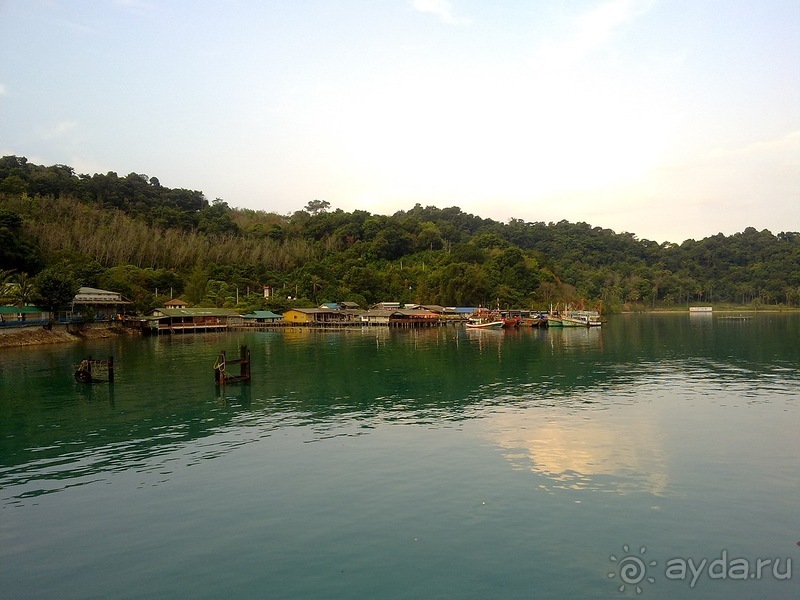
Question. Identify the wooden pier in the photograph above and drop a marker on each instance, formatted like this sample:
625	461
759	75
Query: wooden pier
399	324
221	375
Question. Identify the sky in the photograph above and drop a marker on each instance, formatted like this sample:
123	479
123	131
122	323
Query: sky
668	119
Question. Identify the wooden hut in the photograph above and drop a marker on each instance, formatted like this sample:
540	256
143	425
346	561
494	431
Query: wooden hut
175	303
191	320
103	304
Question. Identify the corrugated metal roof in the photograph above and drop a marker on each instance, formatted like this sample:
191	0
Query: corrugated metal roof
12	310
88	295
196	312
378	313
464	310
262	314
175	302
433	308
414	313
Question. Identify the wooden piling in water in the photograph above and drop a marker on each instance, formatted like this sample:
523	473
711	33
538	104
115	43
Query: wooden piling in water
85	373
221	376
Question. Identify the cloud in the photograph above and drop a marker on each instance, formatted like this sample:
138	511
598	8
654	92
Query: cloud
597	25
141	7
3	90
58	130
87	165
592	29
784	149
441	8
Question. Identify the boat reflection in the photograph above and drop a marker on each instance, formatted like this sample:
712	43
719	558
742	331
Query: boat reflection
574	338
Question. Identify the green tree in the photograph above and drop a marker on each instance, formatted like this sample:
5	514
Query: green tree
391	243
315	207
216	220
429	237
23	292
316	283
5	284
365	281
16	249
196	285
56	289
14	184
219	294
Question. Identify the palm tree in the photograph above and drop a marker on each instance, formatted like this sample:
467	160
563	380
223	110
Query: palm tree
22	291
5	285
316	283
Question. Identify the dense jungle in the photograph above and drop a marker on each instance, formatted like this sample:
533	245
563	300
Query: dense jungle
60	230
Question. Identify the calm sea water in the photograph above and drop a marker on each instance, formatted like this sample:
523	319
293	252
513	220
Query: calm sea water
656	457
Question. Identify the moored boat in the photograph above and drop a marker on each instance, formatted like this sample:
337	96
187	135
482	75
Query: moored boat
478	323
581	318
486	319
554	317
536	320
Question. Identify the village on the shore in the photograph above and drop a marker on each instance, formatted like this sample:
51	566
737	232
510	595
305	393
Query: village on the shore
175	317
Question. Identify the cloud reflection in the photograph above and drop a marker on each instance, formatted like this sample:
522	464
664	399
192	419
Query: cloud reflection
597	450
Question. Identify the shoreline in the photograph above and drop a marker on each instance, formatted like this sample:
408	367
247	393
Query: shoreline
36	335
683	311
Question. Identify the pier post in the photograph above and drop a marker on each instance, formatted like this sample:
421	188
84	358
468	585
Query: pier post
244	366
219	369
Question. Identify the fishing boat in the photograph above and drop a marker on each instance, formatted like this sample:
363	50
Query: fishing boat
486	319
554	317
479	323
581	318
536	320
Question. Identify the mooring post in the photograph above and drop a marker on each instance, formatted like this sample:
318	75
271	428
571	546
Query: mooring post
219	368
110	369
244	365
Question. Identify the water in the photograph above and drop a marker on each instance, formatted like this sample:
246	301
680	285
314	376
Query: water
400	464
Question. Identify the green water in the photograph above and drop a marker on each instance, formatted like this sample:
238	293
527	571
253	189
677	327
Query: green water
398	464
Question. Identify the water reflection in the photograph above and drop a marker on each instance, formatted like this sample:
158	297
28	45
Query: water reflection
234	395
585	450
566	339
543	396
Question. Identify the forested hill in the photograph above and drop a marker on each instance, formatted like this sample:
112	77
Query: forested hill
131	234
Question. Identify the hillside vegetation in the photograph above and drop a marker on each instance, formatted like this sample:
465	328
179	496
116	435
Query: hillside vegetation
131	234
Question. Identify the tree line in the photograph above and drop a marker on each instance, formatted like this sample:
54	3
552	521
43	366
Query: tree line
132	235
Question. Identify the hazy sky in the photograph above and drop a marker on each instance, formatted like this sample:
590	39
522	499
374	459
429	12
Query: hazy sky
670	119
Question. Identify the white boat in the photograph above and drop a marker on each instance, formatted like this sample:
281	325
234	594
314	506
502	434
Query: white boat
581	318
483	318
476	323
